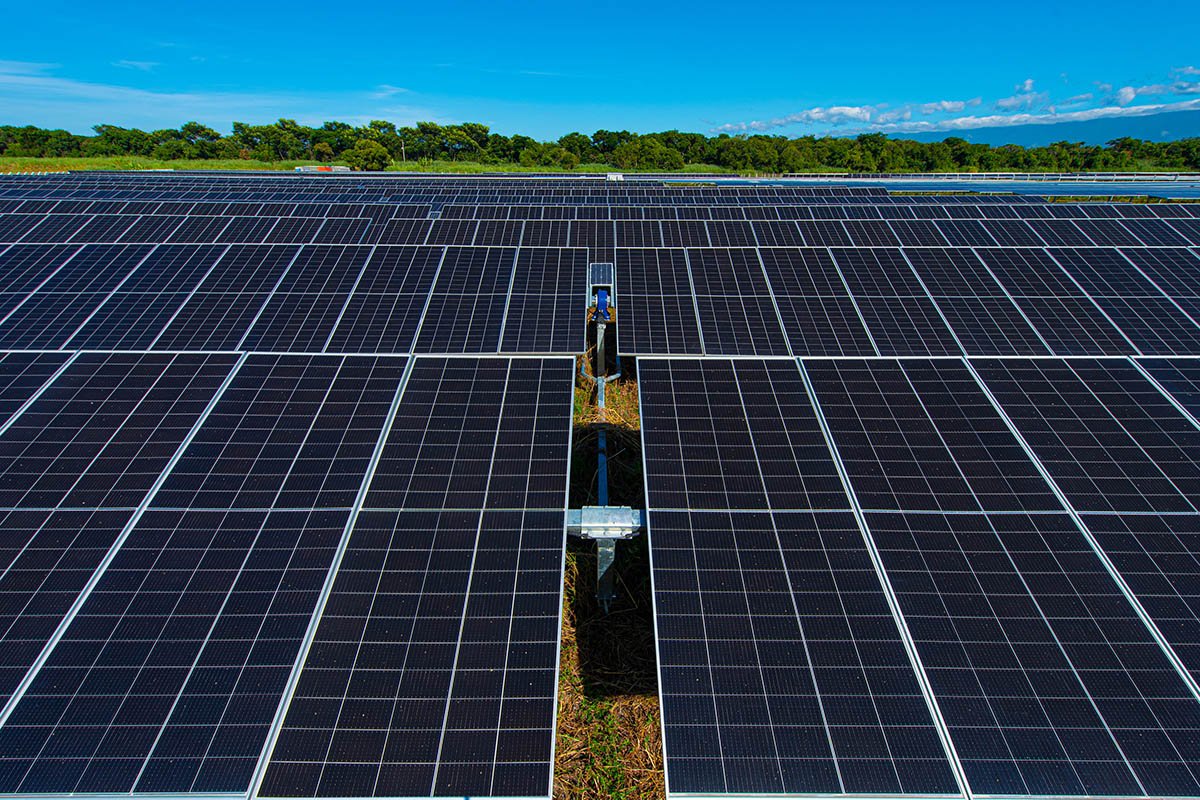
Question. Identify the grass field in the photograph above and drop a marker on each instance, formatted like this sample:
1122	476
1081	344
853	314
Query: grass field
11	165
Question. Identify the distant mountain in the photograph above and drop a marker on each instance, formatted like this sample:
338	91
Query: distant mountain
1156	128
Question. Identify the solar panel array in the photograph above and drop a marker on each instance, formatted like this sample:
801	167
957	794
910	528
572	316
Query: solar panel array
285	466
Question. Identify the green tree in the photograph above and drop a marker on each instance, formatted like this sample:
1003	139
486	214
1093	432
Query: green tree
368	155
548	155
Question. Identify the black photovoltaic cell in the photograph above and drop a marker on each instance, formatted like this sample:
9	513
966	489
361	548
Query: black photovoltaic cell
48	317
1047	680
249	268
103	431
1152	322
226	303
781	665
1175	271
170	675
151	229
433	458
544	303
898	313
984	319
819	316
767	681
715	430
247	230
1109	438
596	236
55	228
1154	232
294	231
452	231
14	226
198	229
1180	377
48	557
21	375
303	311
23	267
656	306
98	436
211	321
132	317
433	668
921	435
498	234
289	432
995	601
823	233
466	307
1068	320
343	231
385	309
1158	556
737	313
965	233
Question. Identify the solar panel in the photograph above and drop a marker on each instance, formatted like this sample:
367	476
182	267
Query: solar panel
765	598
1110	439
303	311
168	676
543	314
467	305
736	310
658	308
384	311
897	311
433	670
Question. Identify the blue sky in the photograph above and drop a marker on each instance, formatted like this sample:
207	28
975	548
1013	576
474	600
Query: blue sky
546	69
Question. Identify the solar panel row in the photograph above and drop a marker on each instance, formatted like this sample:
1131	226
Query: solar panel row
279	520
1021	523
285	298
172	521
888	301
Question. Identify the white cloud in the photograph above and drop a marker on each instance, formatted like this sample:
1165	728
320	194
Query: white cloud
30	95
1127	94
893	116
1186	87
1186	70
24	68
942	106
834	115
1009	120
1025	86
143	66
387	90
1024	100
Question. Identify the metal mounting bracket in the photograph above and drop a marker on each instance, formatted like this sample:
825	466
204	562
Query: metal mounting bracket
607	525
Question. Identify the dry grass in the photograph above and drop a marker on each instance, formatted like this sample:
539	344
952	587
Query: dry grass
609	742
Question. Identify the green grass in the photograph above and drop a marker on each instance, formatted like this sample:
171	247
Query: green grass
10	164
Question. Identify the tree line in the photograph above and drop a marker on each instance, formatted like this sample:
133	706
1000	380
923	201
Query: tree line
380	143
